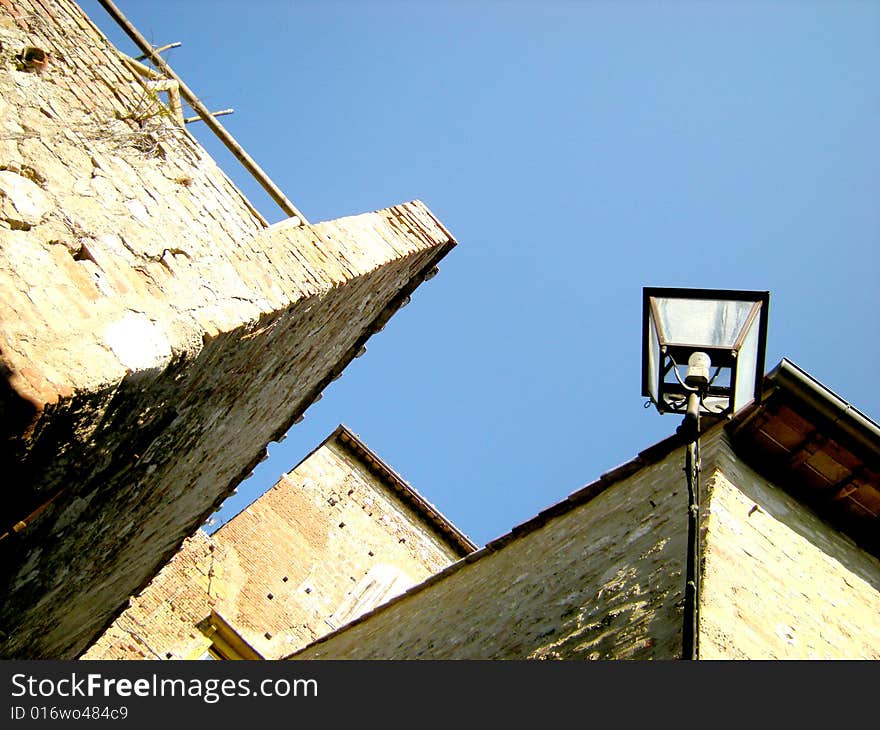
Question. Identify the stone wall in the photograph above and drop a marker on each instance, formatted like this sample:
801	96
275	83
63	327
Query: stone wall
600	576
155	334
329	541
780	583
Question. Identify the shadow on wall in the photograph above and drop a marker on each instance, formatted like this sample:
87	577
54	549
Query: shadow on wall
17	416
72	469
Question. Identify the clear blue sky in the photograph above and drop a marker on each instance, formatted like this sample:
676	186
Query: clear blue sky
578	151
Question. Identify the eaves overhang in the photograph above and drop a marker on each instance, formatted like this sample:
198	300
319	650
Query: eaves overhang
817	446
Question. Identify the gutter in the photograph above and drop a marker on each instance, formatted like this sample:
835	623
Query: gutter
855	426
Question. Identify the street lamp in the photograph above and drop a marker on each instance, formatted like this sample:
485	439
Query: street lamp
702	354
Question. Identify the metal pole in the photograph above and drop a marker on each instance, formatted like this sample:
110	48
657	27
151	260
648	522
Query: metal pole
691	627
252	167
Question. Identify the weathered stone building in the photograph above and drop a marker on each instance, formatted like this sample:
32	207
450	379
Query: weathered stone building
790	570
335	537
155	332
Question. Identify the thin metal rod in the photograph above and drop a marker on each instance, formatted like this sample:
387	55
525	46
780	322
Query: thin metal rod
161	49
252	167
221	113
691	629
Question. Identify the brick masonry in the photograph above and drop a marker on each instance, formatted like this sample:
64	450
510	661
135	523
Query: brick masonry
329	540
603	579
156	334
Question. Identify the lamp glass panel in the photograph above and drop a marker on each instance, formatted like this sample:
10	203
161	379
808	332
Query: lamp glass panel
706	322
746	367
653	358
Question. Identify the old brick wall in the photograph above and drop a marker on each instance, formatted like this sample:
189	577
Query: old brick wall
780	583
155	334
160	622
329	537
603	579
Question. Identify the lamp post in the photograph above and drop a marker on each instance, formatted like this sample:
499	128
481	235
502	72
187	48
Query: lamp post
704	329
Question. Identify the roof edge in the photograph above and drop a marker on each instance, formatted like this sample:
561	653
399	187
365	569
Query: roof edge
830	407
354	444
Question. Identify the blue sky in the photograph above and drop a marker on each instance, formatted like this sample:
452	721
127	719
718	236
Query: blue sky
578	151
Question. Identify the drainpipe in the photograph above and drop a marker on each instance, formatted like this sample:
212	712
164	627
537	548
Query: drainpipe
690	430
691	630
